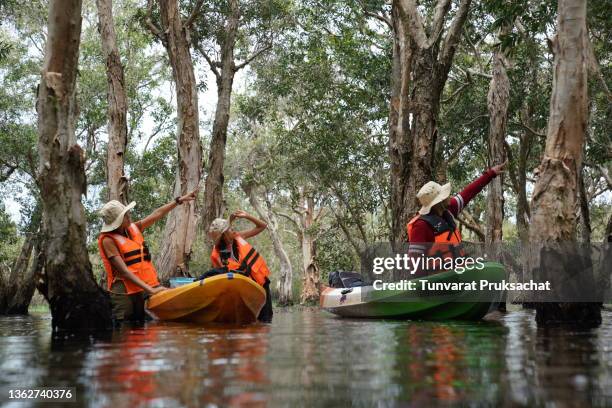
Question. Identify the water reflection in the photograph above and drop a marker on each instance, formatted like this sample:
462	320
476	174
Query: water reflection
179	365
309	358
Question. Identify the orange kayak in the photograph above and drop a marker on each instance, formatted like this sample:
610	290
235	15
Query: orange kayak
226	298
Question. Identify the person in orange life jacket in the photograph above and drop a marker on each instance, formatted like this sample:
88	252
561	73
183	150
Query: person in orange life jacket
433	231
231	252
127	261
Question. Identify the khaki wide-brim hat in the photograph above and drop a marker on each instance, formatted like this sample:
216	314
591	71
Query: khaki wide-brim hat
112	214
217	228
431	194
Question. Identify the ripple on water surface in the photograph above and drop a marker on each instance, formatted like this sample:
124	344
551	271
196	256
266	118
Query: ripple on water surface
309	358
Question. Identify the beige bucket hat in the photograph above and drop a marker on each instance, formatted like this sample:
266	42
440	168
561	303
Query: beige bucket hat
431	194
217	228
112	214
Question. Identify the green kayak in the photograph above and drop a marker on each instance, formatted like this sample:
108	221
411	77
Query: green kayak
443	296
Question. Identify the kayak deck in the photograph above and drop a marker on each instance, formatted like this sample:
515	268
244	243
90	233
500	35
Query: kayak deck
225	298
365	302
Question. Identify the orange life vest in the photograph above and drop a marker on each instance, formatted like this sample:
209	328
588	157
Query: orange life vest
248	261
136	256
447	238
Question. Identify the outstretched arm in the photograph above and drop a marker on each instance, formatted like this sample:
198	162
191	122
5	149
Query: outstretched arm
165	209
459	201
259	224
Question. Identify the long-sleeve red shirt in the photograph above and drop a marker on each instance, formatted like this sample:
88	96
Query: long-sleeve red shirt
422	231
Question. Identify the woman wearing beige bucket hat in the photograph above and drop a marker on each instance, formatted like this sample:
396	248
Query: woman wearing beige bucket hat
126	258
231	252
433	232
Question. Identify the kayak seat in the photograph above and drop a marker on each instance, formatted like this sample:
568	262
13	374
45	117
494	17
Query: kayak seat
346	279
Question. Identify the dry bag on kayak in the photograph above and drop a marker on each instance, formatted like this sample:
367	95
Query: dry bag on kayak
344	279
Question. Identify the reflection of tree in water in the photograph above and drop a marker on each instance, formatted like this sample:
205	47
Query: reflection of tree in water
435	365
331	362
67	362
450	362
179	364
235	364
125	372
555	366
567	368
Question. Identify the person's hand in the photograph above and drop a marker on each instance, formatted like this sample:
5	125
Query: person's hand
500	168
189	197
238	214
156	290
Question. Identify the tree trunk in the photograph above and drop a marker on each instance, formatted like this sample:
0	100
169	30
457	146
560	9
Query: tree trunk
583	203
19	303
498	99
13	279
523	213
311	281
286	271
67	283
117	105
604	265
181	223
399	126
554	198
213	190
420	68
18	288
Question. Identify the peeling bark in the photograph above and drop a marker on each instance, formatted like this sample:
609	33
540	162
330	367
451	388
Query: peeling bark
181	224
67	281
420	68
498	100
213	190
311	278
553	231
583	203
224	71
117	105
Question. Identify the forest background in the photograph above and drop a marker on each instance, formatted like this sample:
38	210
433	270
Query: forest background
293	111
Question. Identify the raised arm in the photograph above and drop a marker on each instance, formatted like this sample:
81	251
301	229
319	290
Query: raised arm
165	209
460	200
259	224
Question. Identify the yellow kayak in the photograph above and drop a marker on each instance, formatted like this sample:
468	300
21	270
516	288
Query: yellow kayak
226	298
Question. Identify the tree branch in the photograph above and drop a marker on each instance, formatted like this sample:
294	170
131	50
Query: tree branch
212	64
454	33
194	14
347	233
290	218
252	57
442	7
412	17
379	17
481	74
468	221
456	92
155	30
596	69
531	130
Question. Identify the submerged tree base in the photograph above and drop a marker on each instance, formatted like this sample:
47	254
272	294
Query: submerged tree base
579	315
77	312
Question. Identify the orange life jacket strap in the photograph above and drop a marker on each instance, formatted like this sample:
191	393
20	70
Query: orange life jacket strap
247	263
137	260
